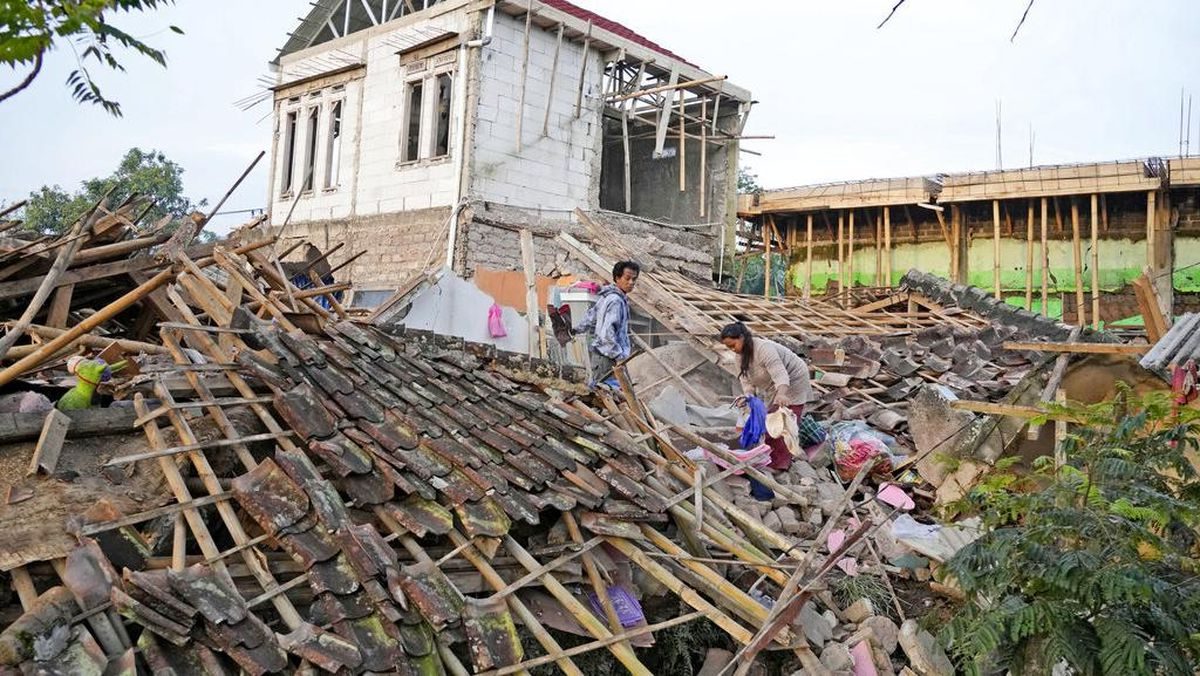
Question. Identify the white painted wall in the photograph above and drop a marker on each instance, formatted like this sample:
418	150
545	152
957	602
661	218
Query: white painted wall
557	171
372	178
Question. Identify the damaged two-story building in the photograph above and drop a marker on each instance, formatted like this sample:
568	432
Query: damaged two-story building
430	132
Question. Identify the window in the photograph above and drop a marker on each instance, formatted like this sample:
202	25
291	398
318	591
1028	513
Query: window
333	148
412	128
310	148
289	151
441	139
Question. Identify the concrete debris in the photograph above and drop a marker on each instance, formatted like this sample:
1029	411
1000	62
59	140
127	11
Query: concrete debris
926	657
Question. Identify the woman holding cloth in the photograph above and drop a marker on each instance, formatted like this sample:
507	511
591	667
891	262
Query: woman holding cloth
774	374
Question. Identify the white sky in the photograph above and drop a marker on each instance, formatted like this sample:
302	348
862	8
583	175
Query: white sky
1096	79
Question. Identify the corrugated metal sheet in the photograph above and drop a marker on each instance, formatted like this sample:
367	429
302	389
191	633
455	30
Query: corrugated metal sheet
1180	344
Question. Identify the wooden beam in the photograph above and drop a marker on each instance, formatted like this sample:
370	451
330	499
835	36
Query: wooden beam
682	147
1010	410
704	162
664	119
841	239
1095	264
956	272
628	177
60	307
1077	259
50	443
90	422
850	256
1151	309
1078	348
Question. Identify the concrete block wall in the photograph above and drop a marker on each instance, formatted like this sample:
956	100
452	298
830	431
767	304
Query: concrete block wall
372	178
555	172
396	244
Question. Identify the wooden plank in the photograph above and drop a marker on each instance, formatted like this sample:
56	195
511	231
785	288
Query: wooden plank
583	64
850	255
1078	348
664	118
1010	410
1077	258
625	156
1147	298
1095	264
531	303
49	444
841	239
60	307
88	422
682	146
23	584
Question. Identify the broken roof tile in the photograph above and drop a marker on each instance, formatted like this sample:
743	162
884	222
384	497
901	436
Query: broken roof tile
333	575
88	574
210	591
301	408
323	648
268	373
270	496
428	588
153	590
457	487
328	608
491	634
264	659
250	632
393	470
303	347
630	489
360	406
342	455
451	450
483	517
372	488
310	546
192	659
377	640
136	611
602	524
561	499
531	466
420	516
392	434
425	463
331	379
368	553
328	505
518	505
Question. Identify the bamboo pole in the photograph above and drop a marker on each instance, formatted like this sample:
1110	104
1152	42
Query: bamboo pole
996	248
524	77
1029	258
593	573
104	314
1077	259
553	73
1150	234
887	246
955	251
583	615
682	147
878	281
583	63
703	158
628	177
808	248
1045	257
1095	263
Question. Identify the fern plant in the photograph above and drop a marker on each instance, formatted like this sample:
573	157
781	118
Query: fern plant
1094	562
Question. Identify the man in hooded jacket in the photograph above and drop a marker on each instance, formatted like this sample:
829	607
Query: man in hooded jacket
608	322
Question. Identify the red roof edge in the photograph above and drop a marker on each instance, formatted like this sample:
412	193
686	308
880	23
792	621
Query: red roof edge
615	28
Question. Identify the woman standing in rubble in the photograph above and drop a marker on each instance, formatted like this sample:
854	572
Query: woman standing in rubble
774	374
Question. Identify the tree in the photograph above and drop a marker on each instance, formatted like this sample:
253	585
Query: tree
30	28
1093	561
141	172
747	182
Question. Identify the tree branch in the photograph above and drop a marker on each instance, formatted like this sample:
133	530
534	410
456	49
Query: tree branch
1022	21
889	16
37	67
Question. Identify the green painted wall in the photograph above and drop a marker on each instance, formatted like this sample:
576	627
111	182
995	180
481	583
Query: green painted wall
1120	262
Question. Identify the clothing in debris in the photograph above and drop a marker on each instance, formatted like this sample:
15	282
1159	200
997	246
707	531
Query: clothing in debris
756	423
781	457
777	375
608	322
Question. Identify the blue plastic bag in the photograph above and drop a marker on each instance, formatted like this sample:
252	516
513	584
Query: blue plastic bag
756	424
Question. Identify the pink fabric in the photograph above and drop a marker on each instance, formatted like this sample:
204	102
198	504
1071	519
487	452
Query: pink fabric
758	454
496	322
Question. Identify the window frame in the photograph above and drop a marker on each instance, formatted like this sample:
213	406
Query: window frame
427	73
291	123
332	179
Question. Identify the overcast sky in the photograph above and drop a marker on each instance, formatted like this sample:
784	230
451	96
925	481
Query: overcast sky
1096	80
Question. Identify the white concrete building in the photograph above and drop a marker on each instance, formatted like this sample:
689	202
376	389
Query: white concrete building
430	131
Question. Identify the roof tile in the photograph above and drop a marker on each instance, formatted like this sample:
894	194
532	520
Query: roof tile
270	496
323	648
